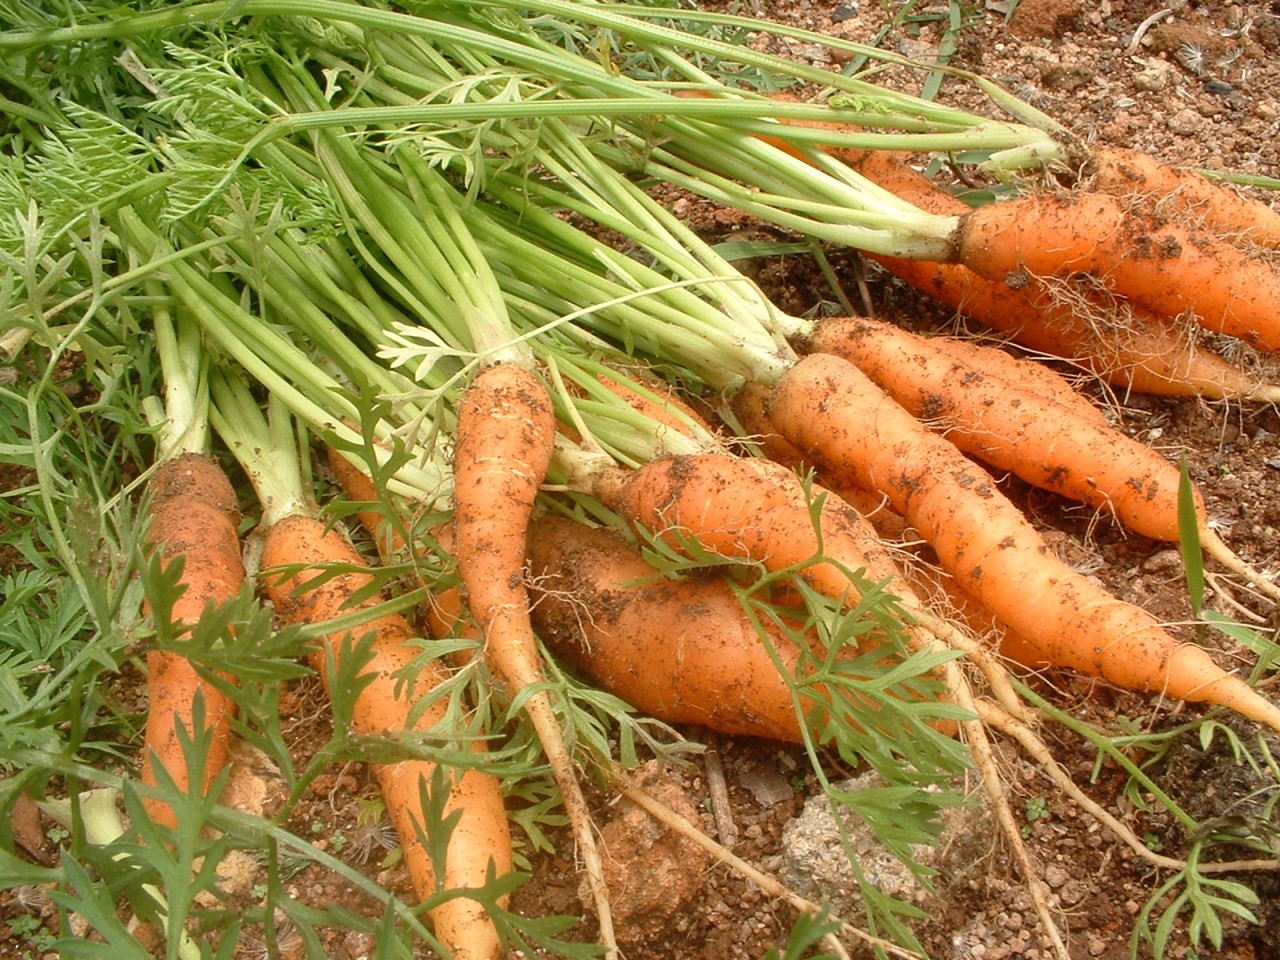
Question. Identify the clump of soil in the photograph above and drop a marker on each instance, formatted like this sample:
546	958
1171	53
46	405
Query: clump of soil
653	873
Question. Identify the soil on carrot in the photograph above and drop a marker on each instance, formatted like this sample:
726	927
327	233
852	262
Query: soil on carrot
1200	86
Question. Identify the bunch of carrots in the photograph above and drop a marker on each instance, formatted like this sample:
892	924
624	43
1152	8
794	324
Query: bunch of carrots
763	458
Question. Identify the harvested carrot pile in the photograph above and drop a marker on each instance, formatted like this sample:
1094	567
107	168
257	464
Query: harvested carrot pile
518	482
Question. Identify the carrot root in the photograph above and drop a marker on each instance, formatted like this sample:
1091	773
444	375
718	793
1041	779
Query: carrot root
194	515
1131	173
1168	268
481	839
504	441
827	405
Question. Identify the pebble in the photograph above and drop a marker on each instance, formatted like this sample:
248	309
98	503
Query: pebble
1154	76
358	945
1186	122
1165	561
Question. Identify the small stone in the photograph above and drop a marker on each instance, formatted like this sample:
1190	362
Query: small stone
1155	76
1165	561
1055	876
1186	122
358	945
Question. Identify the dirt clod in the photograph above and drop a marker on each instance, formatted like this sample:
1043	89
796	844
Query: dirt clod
652	872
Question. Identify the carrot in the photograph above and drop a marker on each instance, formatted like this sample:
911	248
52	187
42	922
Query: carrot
661	404
480	841
503	445
194	515
826	405
1131	173
749	509
652	398
750	406
1169	268
680	651
873	343
311	574
359	488
445	611
940	590
1071	450
1120	341
1066	447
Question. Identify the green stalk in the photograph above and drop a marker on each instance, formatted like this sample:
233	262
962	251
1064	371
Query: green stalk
267	447
594	91
183	365
273	360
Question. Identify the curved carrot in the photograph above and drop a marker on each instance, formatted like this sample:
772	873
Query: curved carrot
480	840
1050	445
505	436
194	515
1169	268
504	440
445	611
682	651
1131	173
1120	341
941	364
825	404
1066	447
750	406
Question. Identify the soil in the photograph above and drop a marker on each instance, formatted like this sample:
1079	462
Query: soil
1200	87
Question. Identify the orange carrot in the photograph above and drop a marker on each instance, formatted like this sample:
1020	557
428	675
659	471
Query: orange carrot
826	405
445	611
1066	447
682	651
1131	173
1169	268
1071	450
679	651
194	515
503	448
504	440
759	511
480	840
666	407
750	406
873	343
653	398
359	488
940	590
1120	341
749	509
